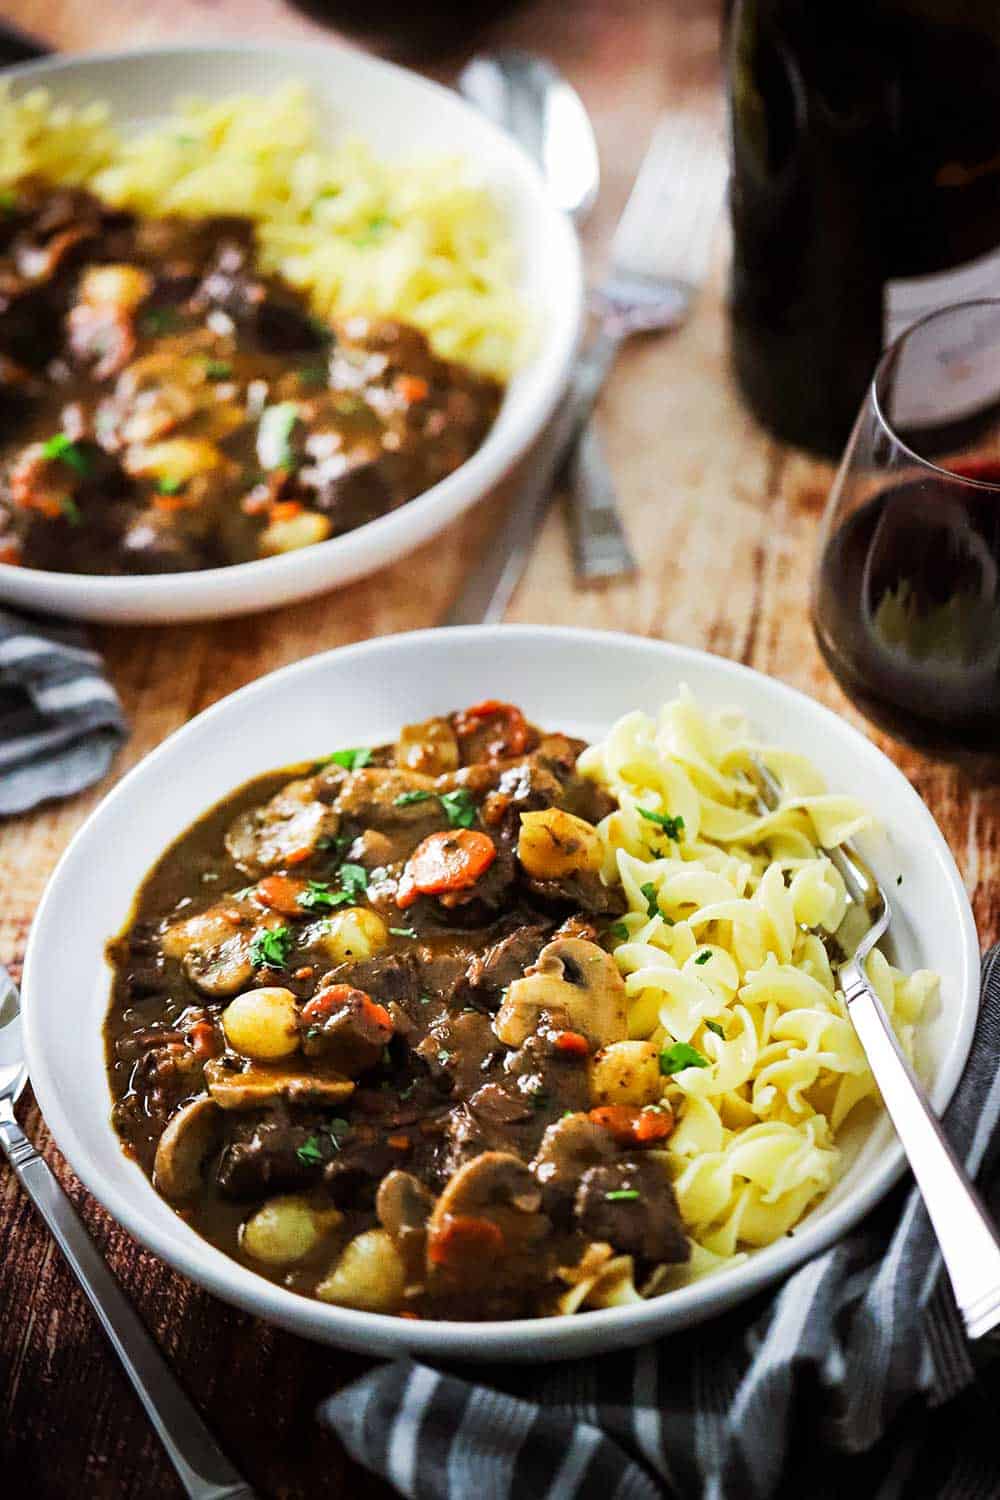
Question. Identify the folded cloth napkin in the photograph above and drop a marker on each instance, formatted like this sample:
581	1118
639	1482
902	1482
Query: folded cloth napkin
60	719
853	1378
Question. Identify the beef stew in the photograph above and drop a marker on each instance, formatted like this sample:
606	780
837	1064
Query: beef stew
167	407
362	1023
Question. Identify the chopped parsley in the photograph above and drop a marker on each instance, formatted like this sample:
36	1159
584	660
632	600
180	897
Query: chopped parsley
8	201
160	320
351	760
714	1026
425	999
405	1093
619	932
622	1195
459	807
681	1055
314	375
318	896
652	905
271	947
353	879
67	452
672	827
704	957
403	932
170	486
373	233
218	369
311	1152
407	799
899	880
71	510
274	435
443	1056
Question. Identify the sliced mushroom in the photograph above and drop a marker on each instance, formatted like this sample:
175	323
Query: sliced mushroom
255	1086
575	983
372	795
214	949
183	1147
486	1224
285	831
403	1206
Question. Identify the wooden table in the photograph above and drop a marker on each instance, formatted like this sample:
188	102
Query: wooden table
723	520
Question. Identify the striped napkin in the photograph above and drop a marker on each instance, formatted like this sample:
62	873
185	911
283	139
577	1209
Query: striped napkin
853	1379
60	719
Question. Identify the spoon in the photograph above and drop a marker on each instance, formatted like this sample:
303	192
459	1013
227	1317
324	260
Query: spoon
202	1468
531	100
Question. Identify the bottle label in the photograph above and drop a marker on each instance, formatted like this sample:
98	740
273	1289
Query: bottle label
957	379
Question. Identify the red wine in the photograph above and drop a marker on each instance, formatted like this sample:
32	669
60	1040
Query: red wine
865	190
907	614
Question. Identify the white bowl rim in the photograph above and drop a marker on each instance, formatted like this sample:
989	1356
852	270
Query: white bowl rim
521	1338
420	518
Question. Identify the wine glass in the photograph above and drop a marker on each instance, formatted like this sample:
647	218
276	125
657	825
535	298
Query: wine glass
906	597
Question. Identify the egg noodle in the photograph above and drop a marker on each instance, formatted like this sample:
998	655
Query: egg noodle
727	973
416	240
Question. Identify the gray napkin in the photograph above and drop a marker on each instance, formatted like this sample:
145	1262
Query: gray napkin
852	1379
60	719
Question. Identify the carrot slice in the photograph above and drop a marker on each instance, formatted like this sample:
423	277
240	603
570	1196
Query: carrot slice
631	1126
512	729
459	1237
571	1042
323	1005
281	893
447	861
410	388
203	1040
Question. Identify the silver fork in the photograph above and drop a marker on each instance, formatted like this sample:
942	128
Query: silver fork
659	259
968	1239
202	1468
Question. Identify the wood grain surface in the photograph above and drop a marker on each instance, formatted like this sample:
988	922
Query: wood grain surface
723	521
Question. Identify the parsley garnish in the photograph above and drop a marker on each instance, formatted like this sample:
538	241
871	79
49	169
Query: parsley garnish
311	1151
899	880
619	932
403	932
444	1056
714	1026
351	760
622	1195
218	369
373	232
71	510
425	999
160	320
704	957
459	807
169	486
274	435
353	879
406	799
318	896
8	201
405	1093
314	375
271	947
66	451
672	827
652	905
680	1056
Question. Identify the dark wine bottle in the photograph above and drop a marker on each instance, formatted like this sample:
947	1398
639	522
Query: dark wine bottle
865	191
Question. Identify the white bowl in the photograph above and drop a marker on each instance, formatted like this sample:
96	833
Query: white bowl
400	114
575	680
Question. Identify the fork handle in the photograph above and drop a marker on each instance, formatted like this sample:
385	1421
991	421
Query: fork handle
970	1247
202	1468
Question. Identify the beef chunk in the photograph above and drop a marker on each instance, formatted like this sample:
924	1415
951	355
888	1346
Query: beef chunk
459	1049
391	977
489	973
273	319
352	497
648	1225
350	1038
264	1161
569	1148
584	891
